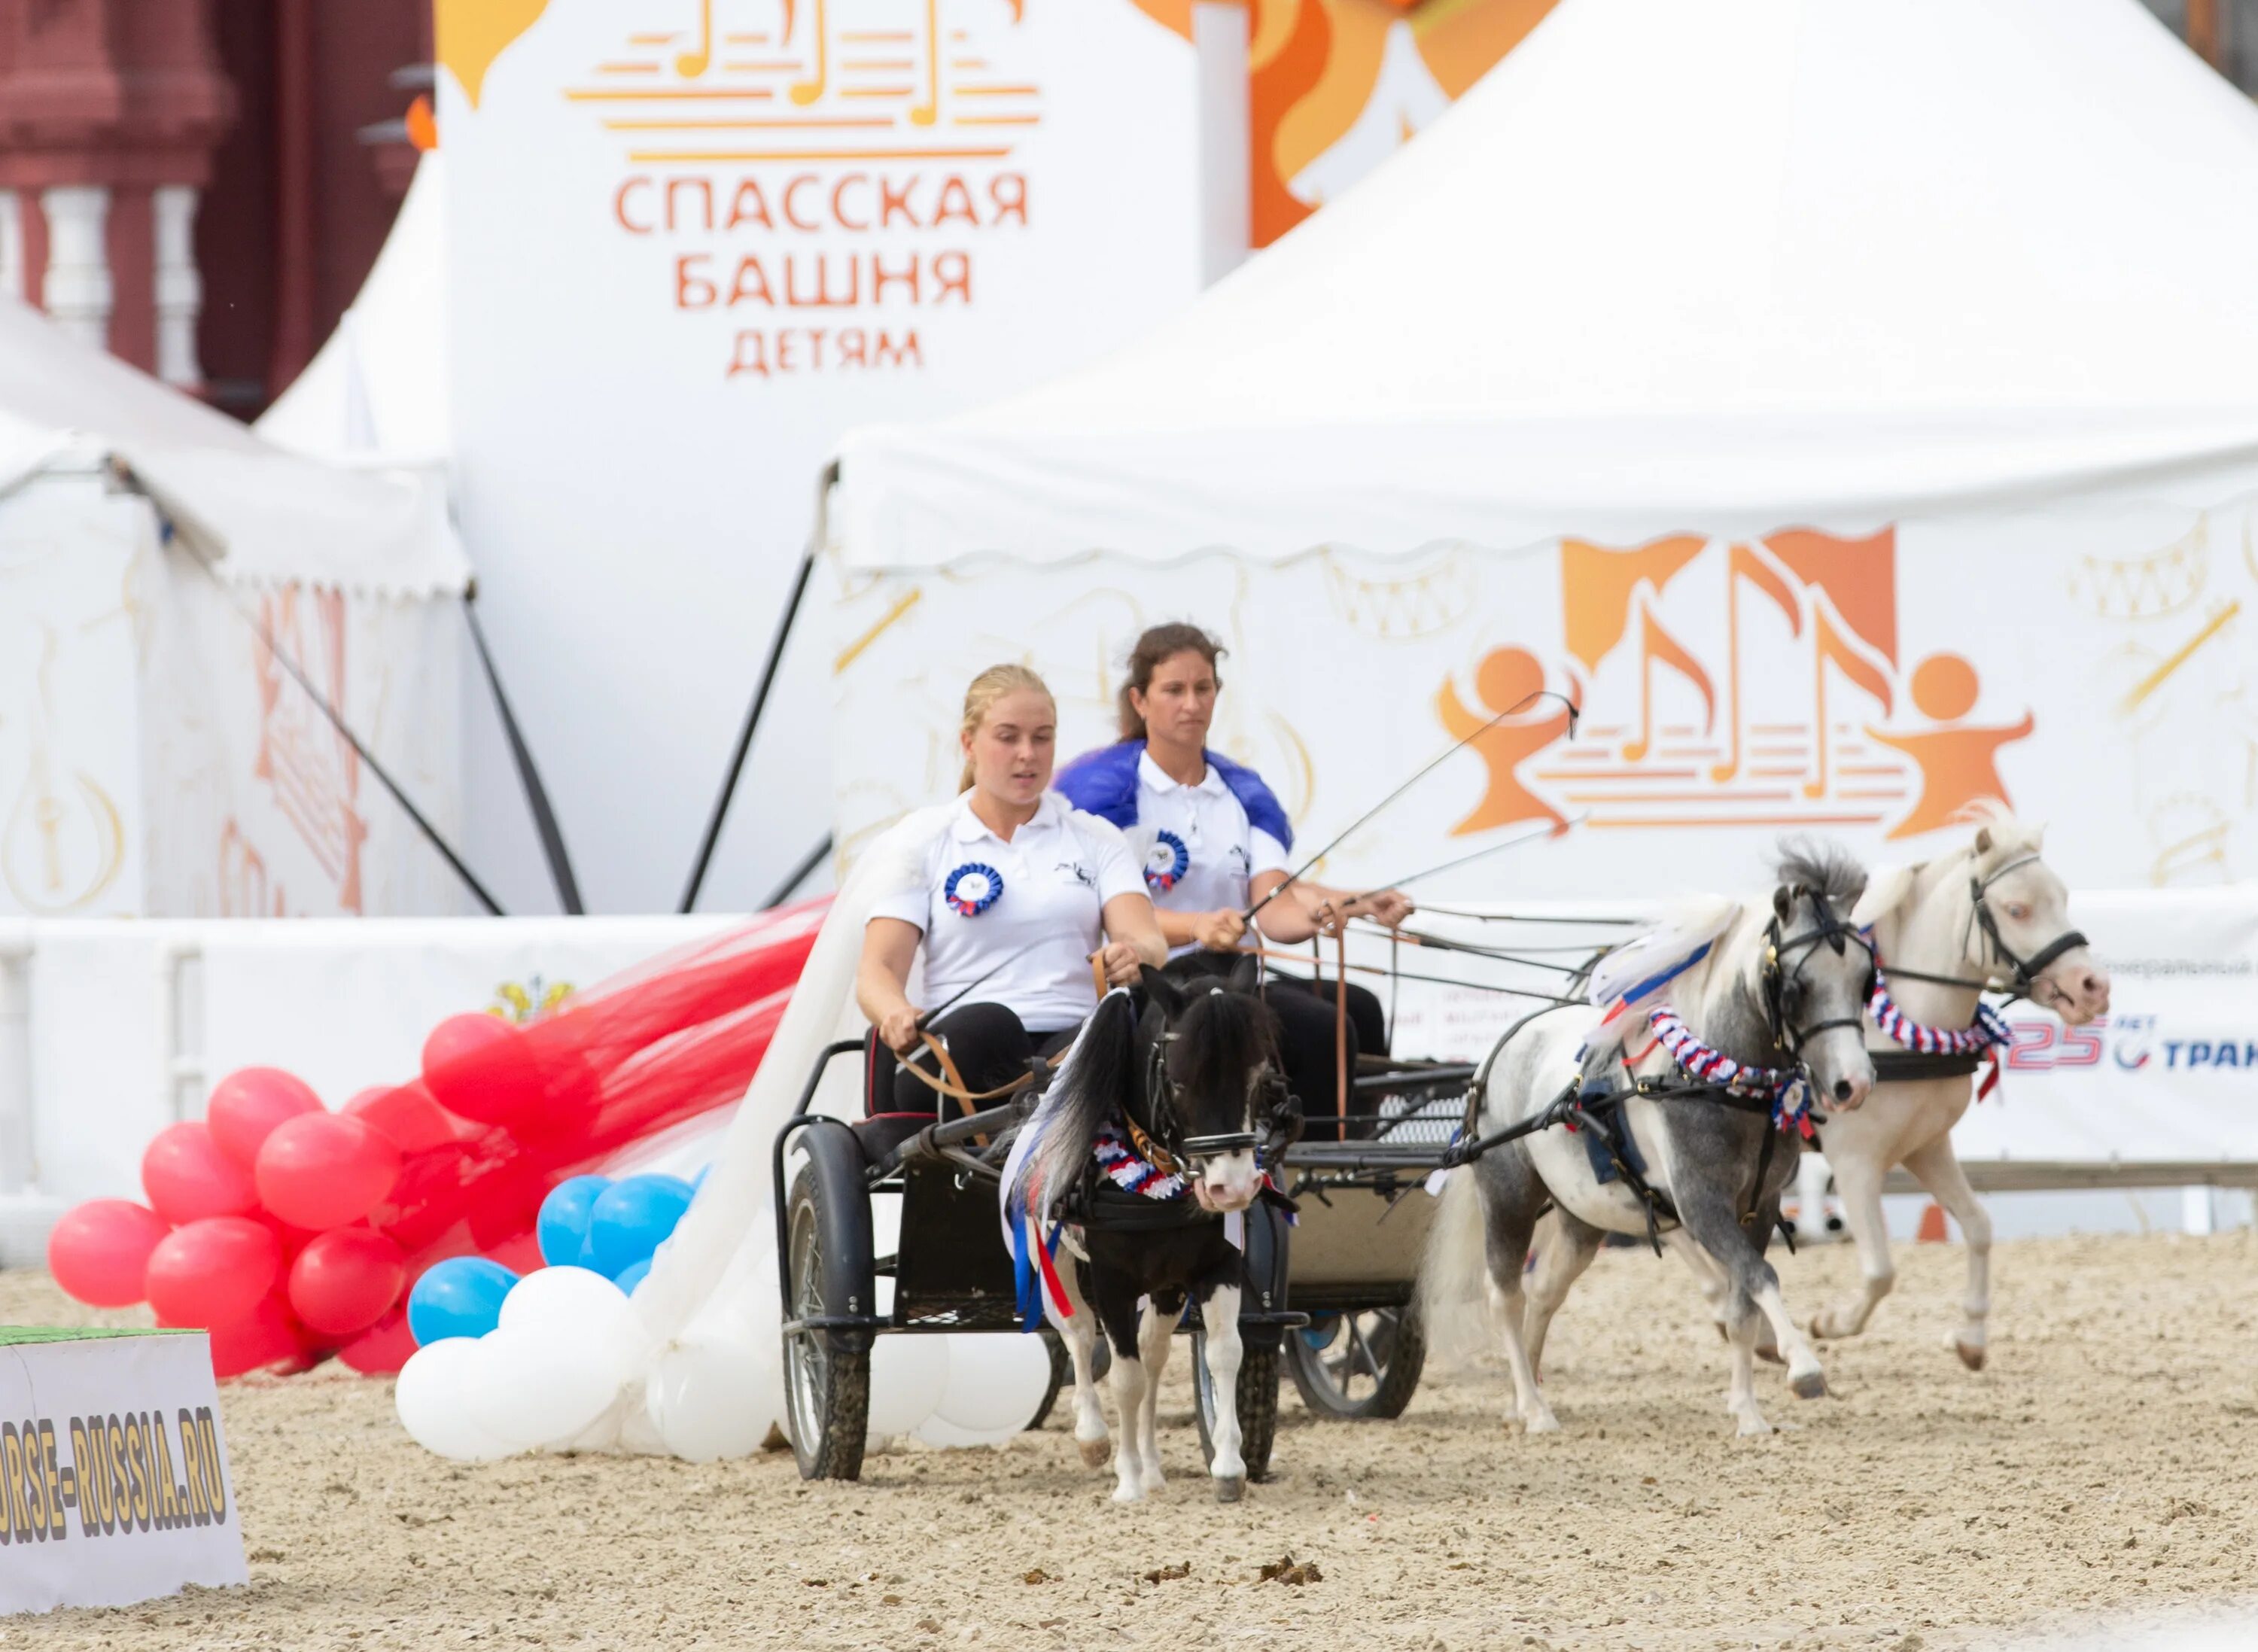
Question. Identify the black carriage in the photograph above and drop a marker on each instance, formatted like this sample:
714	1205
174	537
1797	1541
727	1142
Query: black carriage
949	1270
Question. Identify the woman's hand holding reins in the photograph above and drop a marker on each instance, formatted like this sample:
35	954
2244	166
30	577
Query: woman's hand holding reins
1121	961
1222	931
899	1029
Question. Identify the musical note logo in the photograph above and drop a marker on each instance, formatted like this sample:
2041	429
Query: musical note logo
1658	646
1830	646
691	65
806	92
927	111
1743	563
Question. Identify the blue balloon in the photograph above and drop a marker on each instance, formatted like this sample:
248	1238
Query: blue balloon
632	1218
458	1297
563	1227
699	1181
631	1275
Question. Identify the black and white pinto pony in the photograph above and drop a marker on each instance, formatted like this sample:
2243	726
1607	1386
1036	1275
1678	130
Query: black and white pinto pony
1724	1026
1142	1158
1991	916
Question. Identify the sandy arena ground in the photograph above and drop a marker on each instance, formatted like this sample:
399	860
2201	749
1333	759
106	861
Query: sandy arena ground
2103	1463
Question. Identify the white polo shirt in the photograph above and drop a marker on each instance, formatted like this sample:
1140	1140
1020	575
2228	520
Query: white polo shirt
1223	850
1036	935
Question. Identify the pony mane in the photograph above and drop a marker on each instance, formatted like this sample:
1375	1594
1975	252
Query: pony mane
2011	835
1643	970
1825	869
1224	1034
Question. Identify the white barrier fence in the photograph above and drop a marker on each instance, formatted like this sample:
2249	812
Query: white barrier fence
110	1030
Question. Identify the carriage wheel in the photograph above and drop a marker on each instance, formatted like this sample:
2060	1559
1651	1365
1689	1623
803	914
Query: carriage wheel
1257	1399
827	1386
1358	1366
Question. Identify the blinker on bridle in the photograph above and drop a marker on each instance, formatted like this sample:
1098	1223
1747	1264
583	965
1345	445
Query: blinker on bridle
1781	956
1164	1091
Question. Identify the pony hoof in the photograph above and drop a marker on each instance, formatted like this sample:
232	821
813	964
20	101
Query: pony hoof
1971	1357
1812	1385
1750	1425
1232	1490
1094	1452
1542	1423
1128	1494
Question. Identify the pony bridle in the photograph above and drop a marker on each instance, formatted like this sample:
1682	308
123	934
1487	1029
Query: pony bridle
1780	955
1272	1103
2027	970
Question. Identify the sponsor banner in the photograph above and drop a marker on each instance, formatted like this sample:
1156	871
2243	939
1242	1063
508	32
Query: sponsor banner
2089	663
690	243
114	1483
2166	1075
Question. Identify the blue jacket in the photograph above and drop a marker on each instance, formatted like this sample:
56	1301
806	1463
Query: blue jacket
1104	782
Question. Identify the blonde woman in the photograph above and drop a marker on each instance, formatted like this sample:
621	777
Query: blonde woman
1022	903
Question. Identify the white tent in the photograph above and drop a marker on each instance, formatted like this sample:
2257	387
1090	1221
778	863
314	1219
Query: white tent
154	755
1744	262
1962	287
377	391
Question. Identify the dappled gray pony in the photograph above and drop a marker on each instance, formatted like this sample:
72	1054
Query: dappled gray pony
1672	1112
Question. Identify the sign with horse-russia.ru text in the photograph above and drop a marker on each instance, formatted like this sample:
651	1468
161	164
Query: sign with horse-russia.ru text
114	1484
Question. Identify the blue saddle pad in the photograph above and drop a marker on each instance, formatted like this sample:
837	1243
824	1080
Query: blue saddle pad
1626	1145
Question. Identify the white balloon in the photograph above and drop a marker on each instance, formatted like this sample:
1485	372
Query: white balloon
908	1376
531	1386
429	1396
996	1381
715	1392
576	1298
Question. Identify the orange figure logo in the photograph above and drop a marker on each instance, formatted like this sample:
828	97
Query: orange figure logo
1959	765
1506	678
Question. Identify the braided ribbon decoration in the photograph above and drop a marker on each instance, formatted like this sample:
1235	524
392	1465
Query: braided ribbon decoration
1789	1090
1991	1034
1129	1170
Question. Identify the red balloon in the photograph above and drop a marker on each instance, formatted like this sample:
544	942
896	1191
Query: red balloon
211	1272
264	1339
406	1114
247	1105
383	1349
478	1066
99	1251
323	1170
345	1281
187	1177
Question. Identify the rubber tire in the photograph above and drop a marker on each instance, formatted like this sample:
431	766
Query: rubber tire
1399	1381
1258	1404
838	1414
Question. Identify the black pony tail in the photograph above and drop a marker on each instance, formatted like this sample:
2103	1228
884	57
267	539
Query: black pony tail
1096	1084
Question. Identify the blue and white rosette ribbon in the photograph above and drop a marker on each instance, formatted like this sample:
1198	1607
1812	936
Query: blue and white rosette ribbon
972	888
1166	861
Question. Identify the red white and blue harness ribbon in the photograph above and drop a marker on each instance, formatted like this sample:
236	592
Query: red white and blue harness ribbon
1789	1090
1990	1033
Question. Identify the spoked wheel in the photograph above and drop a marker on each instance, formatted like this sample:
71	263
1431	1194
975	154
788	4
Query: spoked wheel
1257	1401
827	1373
1358	1366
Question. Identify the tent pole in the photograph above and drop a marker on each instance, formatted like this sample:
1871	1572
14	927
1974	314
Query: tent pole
798	876
761	693
752	723
528	774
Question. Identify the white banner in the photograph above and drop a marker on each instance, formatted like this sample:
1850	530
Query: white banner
691	242
2166	1075
113	1470
2090	662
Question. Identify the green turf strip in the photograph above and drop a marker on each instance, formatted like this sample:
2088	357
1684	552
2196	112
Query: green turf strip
12	1335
